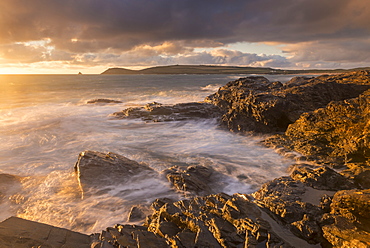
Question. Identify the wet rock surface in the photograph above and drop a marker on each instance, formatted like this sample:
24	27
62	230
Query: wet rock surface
256	104
96	171
158	112
195	180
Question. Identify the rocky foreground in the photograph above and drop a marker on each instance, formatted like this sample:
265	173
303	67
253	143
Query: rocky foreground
325	202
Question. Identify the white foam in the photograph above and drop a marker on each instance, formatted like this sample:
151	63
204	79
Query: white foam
42	139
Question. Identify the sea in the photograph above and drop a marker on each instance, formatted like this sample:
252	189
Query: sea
46	122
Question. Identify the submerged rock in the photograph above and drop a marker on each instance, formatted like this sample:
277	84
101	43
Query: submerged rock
159	112
256	104
96	170
9	184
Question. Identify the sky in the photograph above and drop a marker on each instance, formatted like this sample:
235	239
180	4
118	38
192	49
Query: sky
89	36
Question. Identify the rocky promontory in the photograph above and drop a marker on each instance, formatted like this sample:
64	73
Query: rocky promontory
256	104
325	119
323	202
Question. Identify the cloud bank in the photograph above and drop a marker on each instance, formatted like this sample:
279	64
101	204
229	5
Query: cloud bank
313	33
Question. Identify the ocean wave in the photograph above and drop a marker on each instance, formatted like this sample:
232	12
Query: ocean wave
211	87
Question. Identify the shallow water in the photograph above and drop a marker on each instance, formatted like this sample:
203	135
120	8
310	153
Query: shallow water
45	123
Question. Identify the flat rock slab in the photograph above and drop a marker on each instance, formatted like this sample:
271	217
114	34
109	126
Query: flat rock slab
158	112
97	170
18	233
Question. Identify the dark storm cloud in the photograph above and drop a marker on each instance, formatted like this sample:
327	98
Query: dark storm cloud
123	24
113	27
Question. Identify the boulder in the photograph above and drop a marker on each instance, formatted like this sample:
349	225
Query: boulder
96	171
194	179
350	214
256	104
159	112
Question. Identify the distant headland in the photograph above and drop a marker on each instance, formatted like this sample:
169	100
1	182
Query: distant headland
210	69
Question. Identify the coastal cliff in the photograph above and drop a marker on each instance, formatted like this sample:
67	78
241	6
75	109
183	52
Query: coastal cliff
324	202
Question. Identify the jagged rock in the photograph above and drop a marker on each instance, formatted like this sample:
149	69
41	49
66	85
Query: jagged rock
195	179
129	236
256	104
215	221
336	134
308	229
322	178
96	170
102	101
138	213
20	233
350	210
296	206
158	203
158	112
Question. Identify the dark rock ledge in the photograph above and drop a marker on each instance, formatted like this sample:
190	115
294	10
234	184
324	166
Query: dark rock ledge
324	118
158	112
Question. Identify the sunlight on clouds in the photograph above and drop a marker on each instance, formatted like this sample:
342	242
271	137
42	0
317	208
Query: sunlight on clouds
36	43
166	48
270	48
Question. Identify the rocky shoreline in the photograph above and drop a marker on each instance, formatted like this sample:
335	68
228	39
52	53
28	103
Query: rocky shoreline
325	202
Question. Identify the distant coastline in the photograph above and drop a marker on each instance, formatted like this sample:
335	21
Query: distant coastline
209	69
